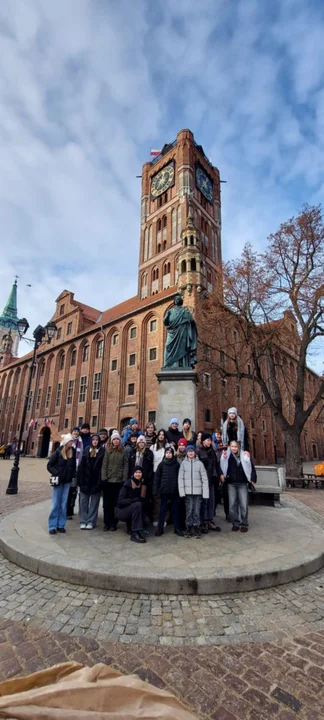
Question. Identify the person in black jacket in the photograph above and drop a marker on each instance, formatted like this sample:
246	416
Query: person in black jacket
237	468
187	433
166	485
89	482
130	505
173	433
207	455
62	465
142	456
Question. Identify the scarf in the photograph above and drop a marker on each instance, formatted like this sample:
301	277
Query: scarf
240	432
244	459
139	457
78	446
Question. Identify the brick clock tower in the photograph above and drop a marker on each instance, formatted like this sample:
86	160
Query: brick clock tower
180	222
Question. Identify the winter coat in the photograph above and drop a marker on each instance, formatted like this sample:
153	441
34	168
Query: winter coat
158	454
147	465
128	495
193	478
114	466
59	467
128	448
86	440
208	458
89	472
232	435
166	477
173	436
127	433
150	440
236	474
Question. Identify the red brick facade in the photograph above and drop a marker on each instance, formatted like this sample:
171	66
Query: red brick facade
102	366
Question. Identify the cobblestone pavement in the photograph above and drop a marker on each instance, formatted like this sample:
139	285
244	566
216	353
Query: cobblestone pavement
251	655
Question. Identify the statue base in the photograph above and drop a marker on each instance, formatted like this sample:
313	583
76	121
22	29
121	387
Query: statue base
177	396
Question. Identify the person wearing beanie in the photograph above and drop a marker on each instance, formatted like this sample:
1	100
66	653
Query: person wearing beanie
85	434
131	444
166	486
158	450
173	433
132	427
207	456
193	486
234	429
130	505
187	432
73	492
61	465
237	468
113	473
89	482
142	456
103	436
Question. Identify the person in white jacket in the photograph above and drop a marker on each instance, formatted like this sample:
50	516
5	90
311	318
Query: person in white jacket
193	486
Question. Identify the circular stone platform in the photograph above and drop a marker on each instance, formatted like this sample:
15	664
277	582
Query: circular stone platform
282	545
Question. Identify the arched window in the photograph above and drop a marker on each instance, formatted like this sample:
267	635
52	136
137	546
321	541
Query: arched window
174	226
62	361
193	265
183	266
145	244
85	353
144	286
73	356
159	248
179	222
185	241
150	242
164	244
169	267
165	221
159	225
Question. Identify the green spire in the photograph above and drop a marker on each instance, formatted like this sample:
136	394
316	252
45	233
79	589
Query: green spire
9	317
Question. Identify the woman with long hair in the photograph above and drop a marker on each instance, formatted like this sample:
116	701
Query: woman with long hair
158	450
113	473
187	433
89	482
62	466
234	429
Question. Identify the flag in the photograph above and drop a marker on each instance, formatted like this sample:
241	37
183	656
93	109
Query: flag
48	422
52	422
31	424
36	424
156	152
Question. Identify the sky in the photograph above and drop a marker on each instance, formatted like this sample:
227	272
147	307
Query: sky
88	87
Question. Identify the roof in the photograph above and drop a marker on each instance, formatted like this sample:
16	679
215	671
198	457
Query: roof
88	311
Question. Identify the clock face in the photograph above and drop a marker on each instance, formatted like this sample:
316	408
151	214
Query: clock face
204	184
162	181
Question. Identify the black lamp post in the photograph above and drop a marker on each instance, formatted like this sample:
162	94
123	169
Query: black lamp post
48	331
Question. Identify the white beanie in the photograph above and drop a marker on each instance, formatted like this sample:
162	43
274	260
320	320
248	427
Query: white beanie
115	435
141	438
232	410
65	439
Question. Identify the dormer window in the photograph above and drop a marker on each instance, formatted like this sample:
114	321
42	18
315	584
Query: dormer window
62	308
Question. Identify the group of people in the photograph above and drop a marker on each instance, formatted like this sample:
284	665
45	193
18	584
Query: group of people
8	449
144	476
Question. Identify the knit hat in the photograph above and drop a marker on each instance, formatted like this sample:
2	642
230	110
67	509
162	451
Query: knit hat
86	426
133	421
75	428
190	447
138	467
141	438
232	410
65	439
169	447
183	442
103	430
186	420
115	435
174	421
205	436
93	436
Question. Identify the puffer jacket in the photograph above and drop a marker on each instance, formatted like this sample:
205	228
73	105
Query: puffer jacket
166	478
208	458
193	478
114	466
59	467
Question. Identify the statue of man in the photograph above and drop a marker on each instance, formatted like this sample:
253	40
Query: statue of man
182	338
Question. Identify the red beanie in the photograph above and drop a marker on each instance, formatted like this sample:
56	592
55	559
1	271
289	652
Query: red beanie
182	441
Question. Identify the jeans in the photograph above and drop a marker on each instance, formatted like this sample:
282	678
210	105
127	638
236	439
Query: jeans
57	516
89	505
193	503
174	510
238	504
110	491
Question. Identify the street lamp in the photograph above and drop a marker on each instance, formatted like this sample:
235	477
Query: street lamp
39	334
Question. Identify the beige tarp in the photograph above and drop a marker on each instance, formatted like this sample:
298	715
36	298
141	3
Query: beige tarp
72	692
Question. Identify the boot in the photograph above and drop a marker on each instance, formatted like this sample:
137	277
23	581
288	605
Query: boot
197	533
135	537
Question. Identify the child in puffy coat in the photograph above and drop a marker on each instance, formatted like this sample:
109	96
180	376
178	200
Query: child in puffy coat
166	485
193	486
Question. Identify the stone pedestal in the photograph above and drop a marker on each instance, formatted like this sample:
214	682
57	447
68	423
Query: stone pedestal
177	397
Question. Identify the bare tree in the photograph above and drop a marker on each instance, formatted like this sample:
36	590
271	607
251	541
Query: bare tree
264	326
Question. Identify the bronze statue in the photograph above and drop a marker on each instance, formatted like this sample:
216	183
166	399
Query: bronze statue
182	338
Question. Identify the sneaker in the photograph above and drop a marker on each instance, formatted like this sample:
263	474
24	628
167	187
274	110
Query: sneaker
89	526
197	533
82	526
244	529
178	532
213	527
155	524
135	537
61	530
235	528
159	532
52	532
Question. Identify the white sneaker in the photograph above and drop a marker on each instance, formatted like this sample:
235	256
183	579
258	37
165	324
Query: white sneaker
89	526
82	526
155	524
165	524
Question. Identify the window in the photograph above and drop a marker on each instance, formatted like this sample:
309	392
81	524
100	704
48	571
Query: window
132	360
249	369
264	426
80	421
62	360
58	333
235	336
151	416
83	388
58	395
207	416
69	329
48	396
66	423
238	392
100	348
94	421
96	386
207	381
131	389
153	353
252	424
115	339
73	357
69	394
14	403
133	332
114	364
85	353
62	309
38	399
29	400
153	325
42	369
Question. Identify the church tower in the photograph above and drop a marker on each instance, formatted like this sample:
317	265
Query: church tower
180	203
9	336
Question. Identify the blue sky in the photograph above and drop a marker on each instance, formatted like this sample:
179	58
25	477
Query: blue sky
87	87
